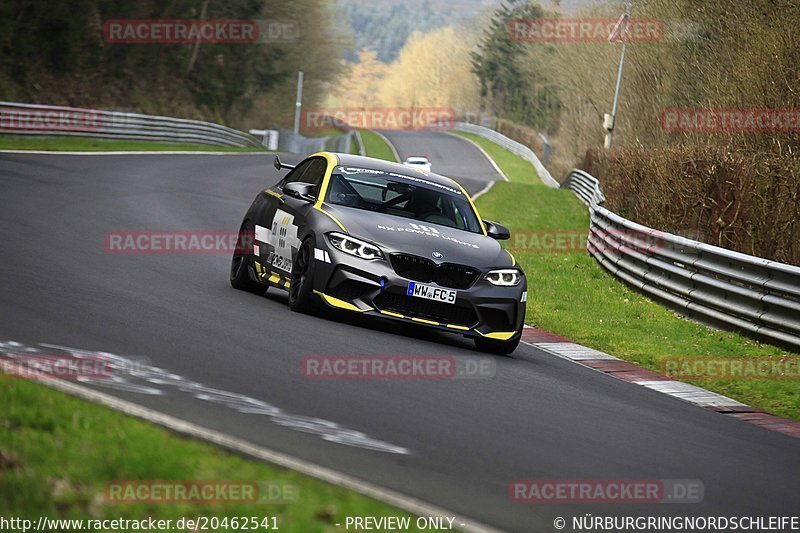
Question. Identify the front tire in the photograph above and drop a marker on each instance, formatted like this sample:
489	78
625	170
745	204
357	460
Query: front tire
241	260
301	288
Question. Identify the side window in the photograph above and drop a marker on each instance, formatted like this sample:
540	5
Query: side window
313	172
297	173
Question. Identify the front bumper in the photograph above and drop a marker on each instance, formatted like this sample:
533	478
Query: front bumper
373	288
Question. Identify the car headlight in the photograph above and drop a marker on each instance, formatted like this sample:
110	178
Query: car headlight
507	277
357	247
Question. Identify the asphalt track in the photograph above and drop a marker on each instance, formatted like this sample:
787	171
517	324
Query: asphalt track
465	440
449	155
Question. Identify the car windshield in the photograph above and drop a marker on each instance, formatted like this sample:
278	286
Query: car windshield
406	196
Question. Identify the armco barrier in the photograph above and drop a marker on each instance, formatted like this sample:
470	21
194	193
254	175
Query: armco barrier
34	119
512	146
751	294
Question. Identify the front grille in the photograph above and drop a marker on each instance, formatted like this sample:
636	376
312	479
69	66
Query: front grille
425	270
428	309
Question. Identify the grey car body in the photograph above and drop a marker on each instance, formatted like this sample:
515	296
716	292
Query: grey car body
424	270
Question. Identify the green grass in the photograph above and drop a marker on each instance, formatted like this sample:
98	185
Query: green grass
57	454
570	294
376	147
88	144
516	169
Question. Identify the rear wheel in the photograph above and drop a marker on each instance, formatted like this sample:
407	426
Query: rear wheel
301	288
241	261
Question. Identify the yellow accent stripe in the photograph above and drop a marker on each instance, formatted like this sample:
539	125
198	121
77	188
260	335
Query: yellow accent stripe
326	180
336	302
513	261
332	217
274	278
499	335
431	322
454	326
273	193
287	282
474	209
390	313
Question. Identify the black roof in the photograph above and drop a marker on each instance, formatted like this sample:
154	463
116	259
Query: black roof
350	160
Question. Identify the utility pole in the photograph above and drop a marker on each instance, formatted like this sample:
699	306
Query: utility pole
298	102
621	30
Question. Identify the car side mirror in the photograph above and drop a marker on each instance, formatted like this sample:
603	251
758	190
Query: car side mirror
496	231
301	191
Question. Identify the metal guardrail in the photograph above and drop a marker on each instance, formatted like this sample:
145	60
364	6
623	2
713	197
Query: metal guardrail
752	294
34	119
512	146
289	141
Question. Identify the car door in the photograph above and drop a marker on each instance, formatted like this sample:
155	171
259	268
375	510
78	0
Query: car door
284	217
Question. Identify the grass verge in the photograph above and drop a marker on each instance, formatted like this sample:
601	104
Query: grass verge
88	144
58	453
376	147
570	294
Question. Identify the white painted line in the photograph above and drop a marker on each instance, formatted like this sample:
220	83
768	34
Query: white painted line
387	141
483	191
387	496
131	152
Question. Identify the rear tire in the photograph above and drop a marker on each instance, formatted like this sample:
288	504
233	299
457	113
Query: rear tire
241	261
301	289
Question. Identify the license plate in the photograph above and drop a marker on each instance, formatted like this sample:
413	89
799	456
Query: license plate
432	293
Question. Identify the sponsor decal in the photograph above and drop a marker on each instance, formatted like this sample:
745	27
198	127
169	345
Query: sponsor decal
429	231
433	184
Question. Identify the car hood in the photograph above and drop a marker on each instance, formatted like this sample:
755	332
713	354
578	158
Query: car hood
400	234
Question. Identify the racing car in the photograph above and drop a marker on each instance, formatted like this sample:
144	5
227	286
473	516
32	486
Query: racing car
382	239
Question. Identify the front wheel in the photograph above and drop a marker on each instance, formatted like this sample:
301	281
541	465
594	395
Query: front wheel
240	262
301	287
